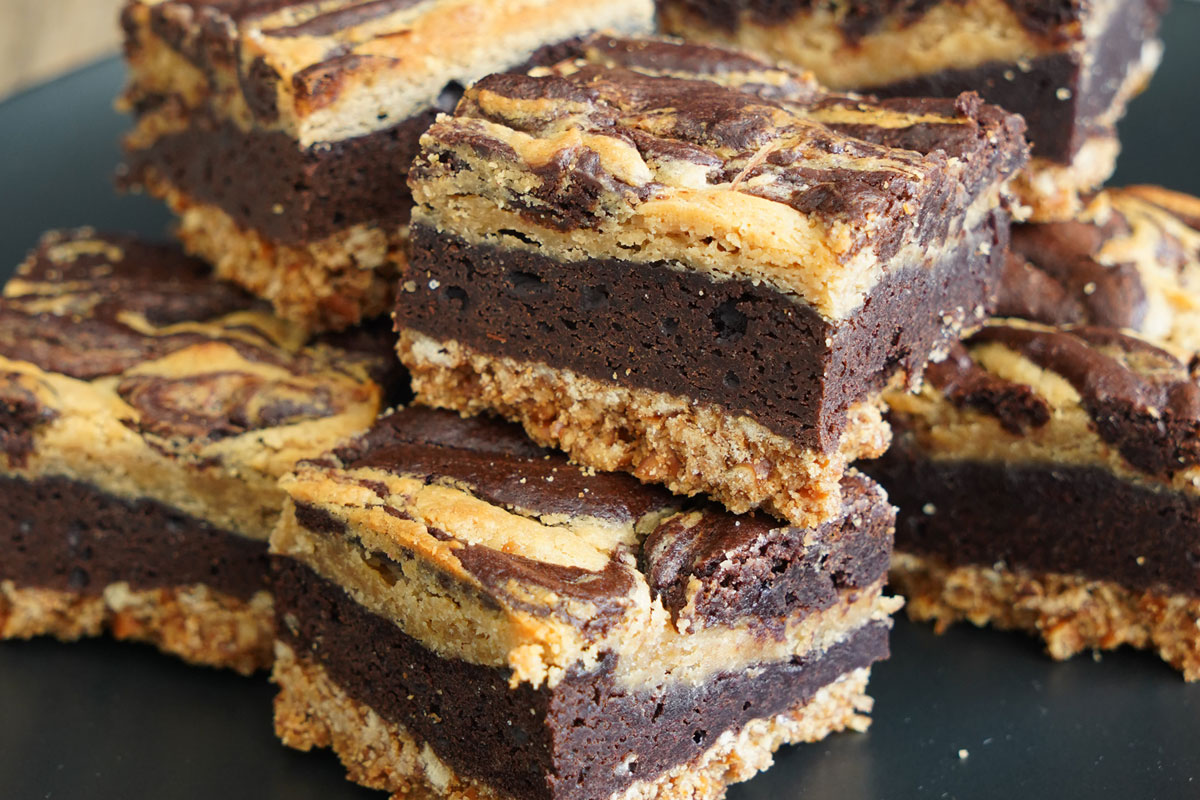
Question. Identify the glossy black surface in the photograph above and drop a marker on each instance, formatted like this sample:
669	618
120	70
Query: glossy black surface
104	721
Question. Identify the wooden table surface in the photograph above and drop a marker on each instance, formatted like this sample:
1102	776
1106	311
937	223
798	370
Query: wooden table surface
43	38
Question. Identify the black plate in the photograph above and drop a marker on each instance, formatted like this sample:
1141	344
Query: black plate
103	721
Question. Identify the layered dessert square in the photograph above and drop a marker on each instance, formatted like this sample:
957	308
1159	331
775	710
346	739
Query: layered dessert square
1047	474
463	614
147	412
281	131
682	263
1068	68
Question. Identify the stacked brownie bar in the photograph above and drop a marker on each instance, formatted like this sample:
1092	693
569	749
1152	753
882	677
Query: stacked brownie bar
688	265
1069	68
147	412
463	613
1047	473
281	130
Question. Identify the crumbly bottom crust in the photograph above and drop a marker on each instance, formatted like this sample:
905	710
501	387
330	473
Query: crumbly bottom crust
325	284
1069	612
197	624
687	446
313	711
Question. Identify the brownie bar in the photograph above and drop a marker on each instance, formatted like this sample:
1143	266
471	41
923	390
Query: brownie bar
1047	478
282	132
147	412
1068	68
687	264
462	612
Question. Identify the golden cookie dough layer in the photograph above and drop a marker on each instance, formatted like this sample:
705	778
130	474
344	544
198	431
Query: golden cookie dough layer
195	623
1046	191
311	711
1069	612
686	446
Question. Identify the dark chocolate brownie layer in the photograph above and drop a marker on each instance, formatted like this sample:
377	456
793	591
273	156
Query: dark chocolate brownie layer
267	183
1044	518
1058	125
647	325
69	536
573	741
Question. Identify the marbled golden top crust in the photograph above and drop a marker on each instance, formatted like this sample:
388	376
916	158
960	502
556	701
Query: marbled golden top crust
323	70
743	172
1130	259
138	372
489	549
1018	392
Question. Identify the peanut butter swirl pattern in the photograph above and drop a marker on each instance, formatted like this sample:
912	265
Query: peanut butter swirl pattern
1141	399
531	535
181	359
323	70
1131	259
632	124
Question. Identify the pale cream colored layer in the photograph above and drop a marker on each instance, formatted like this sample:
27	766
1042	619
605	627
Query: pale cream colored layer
398	570
946	36
199	625
311	710
826	262
325	284
385	70
1069	612
687	446
946	432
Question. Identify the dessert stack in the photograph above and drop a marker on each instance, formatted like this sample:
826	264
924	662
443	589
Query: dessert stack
655	300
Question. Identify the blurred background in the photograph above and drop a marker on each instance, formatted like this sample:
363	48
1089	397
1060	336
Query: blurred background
43	38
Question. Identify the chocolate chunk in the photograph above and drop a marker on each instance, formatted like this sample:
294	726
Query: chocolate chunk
20	415
1017	406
